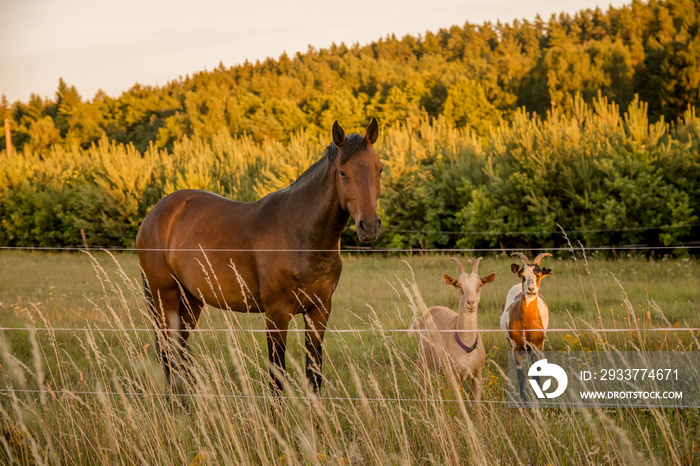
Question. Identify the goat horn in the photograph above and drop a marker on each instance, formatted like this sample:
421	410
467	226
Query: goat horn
522	256
540	257
459	264
475	268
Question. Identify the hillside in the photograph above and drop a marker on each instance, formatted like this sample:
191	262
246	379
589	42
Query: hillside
474	75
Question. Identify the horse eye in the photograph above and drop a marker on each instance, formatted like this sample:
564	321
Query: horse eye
381	170
342	173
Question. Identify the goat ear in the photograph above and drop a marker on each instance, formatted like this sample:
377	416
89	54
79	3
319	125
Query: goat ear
338	134
372	132
545	271
488	278
449	280
515	268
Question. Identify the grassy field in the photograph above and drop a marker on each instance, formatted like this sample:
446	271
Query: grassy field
83	393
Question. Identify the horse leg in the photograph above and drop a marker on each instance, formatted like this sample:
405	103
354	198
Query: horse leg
276	347
164	303
316	321
189	310
159	325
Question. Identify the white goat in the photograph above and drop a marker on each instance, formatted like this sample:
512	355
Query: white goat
449	340
526	315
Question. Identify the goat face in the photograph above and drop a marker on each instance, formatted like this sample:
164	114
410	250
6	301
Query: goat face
531	275
469	288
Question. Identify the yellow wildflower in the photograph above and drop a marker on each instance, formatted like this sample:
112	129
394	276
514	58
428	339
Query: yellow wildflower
202	457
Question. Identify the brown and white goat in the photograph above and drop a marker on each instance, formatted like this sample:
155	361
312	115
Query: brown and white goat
526	316
450	341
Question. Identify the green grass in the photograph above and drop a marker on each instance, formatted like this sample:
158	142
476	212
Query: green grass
221	425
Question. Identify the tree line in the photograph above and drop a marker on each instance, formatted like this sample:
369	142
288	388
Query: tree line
606	176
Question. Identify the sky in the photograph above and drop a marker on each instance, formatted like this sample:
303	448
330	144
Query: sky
112	45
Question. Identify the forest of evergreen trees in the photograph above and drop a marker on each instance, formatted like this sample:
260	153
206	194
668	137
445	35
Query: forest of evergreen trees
492	134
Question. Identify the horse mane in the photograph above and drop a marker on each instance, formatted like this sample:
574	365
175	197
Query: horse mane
354	144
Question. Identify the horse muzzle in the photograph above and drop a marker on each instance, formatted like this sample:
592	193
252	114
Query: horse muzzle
368	230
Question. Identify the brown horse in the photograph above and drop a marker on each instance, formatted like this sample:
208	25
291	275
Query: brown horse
278	255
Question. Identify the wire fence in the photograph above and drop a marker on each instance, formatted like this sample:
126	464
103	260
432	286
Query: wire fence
357	330
491	232
631	247
247	397
74	393
687	246
303	398
543	232
367	249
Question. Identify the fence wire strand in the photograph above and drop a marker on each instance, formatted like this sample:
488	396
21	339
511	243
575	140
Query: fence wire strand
485	232
353	250
346	330
10	392
258	397
298	398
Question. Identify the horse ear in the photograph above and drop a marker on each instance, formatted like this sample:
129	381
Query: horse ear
338	134
372	132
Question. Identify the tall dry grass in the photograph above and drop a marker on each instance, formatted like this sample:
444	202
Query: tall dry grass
98	396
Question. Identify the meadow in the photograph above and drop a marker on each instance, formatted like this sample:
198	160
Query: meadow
83	388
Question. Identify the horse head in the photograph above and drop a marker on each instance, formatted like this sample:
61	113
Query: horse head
358	177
